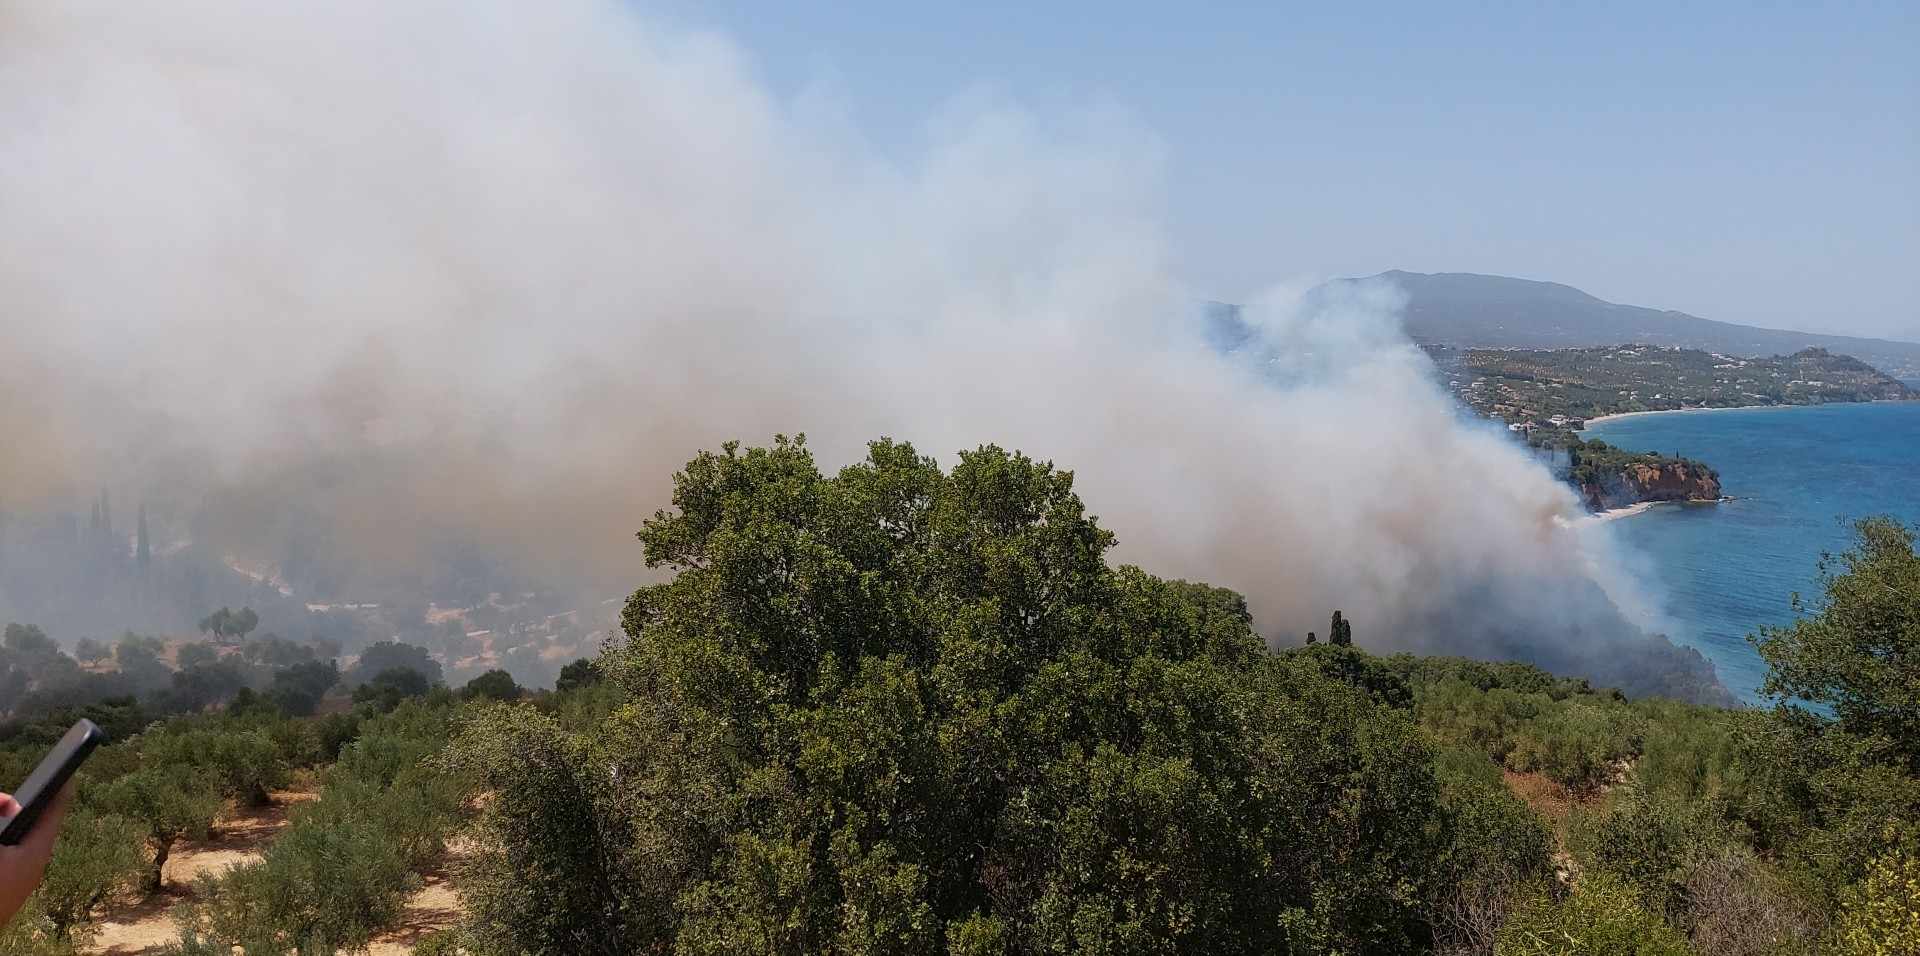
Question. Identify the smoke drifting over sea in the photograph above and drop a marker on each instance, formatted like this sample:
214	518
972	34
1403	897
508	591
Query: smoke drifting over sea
487	273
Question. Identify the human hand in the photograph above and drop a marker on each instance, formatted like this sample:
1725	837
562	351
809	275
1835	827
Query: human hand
22	866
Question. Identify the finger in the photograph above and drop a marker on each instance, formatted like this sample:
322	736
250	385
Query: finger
9	807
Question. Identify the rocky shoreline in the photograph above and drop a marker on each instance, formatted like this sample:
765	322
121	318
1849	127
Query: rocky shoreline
1647	483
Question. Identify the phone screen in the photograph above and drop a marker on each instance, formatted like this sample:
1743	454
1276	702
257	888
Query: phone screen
44	783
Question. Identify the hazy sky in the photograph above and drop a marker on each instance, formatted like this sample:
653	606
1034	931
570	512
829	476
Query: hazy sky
1746	162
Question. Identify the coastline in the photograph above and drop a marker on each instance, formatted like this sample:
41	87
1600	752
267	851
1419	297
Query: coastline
1719	408
1615	514
1730	408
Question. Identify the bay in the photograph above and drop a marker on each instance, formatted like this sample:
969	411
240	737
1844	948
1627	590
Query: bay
1799	477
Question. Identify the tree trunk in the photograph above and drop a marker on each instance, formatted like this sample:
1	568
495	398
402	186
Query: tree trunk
161	850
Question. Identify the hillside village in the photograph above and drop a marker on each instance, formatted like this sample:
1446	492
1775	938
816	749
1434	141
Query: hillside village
1560	389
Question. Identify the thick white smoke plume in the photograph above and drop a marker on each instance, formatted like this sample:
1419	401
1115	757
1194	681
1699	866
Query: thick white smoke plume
495	269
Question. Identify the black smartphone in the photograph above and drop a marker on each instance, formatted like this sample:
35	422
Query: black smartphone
44	783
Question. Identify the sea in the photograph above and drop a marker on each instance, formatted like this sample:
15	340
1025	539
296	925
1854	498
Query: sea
1798	477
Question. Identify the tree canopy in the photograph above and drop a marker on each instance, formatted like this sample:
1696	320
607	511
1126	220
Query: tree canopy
228	623
1859	655
392	655
901	709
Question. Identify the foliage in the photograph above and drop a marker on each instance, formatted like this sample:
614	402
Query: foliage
1652	844
493	685
907	710
900	709
1830	791
391	686
199	686
1859	656
1576	744
297	690
173	801
1737	905
1360	670
547	881
343	867
578	674
27	640
1579	741
195	654
1421	672
272	651
227	622
1882	915
1601	917
1497	848
245	763
96	855
386	656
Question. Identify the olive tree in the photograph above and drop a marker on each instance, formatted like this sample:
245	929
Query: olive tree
902	709
173	801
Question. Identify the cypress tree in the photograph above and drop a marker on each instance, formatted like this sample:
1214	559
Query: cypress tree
142	549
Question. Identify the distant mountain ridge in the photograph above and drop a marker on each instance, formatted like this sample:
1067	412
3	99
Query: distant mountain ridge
1466	310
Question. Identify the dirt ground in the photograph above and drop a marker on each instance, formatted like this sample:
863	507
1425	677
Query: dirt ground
1555	803
434	906
142	925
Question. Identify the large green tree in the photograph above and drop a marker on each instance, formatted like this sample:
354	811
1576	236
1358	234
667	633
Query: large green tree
1833	779
1857	652
902	710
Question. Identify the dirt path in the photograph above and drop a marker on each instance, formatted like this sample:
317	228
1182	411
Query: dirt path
138	925
1554	803
434	906
141	926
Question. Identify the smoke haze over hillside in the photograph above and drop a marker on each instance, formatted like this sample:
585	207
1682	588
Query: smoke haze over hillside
391	277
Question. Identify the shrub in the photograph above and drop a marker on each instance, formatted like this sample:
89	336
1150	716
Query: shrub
1576	744
343	867
173	801
245	762
391	686
1497	847
96	856
1651	843
1600	917
331	880
1736	906
338	874
1881	916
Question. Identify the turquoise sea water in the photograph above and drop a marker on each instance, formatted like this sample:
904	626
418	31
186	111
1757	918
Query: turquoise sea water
1799	476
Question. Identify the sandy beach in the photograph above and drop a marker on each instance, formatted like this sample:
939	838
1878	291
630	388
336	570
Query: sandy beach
1682	411
1615	514
1727	408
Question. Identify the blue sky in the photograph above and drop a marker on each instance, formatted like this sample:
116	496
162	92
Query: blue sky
1756	163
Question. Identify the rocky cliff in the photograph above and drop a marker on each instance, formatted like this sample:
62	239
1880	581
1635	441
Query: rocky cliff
1638	481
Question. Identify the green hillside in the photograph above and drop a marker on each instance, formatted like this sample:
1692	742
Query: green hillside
904	709
1521	385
